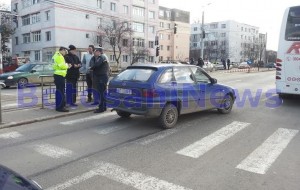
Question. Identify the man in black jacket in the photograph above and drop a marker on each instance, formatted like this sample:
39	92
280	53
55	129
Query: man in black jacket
99	66
72	75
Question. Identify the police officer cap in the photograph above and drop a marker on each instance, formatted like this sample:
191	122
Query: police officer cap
62	48
99	49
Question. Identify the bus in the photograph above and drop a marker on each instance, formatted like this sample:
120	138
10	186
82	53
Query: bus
288	55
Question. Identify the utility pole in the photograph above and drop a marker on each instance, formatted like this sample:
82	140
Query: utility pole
202	36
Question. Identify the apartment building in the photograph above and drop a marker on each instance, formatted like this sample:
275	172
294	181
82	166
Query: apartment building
227	39
45	25
173	46
6	19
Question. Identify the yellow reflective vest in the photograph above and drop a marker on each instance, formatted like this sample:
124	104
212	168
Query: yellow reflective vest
60	66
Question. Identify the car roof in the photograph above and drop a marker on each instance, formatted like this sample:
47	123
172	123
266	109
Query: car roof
160	65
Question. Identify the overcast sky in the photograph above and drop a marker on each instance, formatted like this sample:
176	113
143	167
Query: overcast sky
265	14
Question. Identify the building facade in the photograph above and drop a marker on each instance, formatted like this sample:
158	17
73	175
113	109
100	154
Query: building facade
227	39
5	19
43	25
173	46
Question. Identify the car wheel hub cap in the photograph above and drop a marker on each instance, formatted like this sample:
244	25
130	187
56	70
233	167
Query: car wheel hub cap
170	116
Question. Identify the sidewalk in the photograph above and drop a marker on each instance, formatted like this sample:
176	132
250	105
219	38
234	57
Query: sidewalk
252	70
32	115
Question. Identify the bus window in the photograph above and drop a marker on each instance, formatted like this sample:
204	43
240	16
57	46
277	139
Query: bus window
292	32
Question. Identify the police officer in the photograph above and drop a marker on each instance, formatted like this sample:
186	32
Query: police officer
60	70
100	68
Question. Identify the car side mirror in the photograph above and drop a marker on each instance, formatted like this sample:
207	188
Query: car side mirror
213	81
33	71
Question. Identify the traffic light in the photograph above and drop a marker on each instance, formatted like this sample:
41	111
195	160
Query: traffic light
156	40
203	34
15	19
157	51
175	28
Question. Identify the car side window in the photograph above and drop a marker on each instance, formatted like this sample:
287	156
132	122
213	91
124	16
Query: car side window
200	76
38	68
166	77
183	75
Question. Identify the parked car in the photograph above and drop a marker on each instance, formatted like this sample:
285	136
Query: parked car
243	65
167	91
170	62
270	65
220	66
27	74
10	180
208	66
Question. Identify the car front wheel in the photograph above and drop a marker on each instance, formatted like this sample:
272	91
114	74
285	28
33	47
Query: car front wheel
123	114
22	83
169	116
226	104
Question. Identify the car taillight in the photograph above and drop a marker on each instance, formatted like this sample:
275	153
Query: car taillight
149	93
278	60
278	77
278	64
278	69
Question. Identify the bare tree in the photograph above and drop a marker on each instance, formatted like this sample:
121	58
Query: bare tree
138	53
115	35
6	28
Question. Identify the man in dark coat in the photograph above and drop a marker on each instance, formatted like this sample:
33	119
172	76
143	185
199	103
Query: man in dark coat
72	75
228	64
200	62
99	66
224	63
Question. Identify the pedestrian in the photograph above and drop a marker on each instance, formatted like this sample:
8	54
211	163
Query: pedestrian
85	69
72	75
192	61
100	68
228	64
200	62
60	70
224	63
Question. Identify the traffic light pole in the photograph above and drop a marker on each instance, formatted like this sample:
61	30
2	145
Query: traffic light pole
202	37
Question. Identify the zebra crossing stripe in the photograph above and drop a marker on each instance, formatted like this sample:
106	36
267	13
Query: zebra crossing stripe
156	137
52	151
112	129
260	160
10	135
82	120
116	173
199	148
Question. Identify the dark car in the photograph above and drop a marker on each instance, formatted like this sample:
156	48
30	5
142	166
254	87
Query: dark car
167	91
270	65
10	180
26	74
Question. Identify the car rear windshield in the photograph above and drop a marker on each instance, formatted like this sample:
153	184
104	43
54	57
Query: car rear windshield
292	32
135	74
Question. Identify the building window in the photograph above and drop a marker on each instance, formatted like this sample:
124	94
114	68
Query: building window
139	42
223	26
99	40
169	26
37	55
36	36
35	18
223	34
151	14
194	44
47	14
138	11
17	40
26	38
25	20
112	58
99	22
99	3
48	36
195	28
168	14
16	7
161	24
125	8
26	53
161	13
151	29
125	58
138	27
168	48
26	3
113	7
87	35
242	29
161	47
151	59
35	1
125	42
151	44
161	36
49	55
214	26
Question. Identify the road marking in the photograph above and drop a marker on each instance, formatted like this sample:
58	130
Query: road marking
10	105
52	151
260	160
112	129
158	136
133	179
82	120
199	148
10	135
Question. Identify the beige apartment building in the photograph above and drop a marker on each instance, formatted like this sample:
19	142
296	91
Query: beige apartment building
173	46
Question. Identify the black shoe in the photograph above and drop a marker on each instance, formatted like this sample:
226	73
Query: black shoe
62	110
99	111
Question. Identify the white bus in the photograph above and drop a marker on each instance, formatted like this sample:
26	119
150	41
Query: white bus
288	55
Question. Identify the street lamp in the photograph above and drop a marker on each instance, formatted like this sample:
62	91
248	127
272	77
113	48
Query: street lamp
203	32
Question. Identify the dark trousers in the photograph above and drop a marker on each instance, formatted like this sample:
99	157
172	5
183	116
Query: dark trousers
71	91
89	83
60	84
100	83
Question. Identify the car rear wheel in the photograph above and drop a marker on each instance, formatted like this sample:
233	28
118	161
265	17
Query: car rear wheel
123	114
226	104
7	87
22	83
169	116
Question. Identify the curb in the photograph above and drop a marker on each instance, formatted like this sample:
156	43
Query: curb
40	119
246	70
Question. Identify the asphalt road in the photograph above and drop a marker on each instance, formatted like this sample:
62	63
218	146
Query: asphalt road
256	146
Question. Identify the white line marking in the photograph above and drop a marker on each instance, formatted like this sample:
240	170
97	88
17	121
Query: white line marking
9	105
112	129
82	120
199	148
52	151
155	137
122	175
10	135
260	160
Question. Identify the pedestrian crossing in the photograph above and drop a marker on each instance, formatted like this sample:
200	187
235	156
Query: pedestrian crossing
258	161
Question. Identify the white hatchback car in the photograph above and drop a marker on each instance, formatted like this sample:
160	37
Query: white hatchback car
208	66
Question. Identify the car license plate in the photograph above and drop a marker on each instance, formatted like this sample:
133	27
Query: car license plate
124	91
